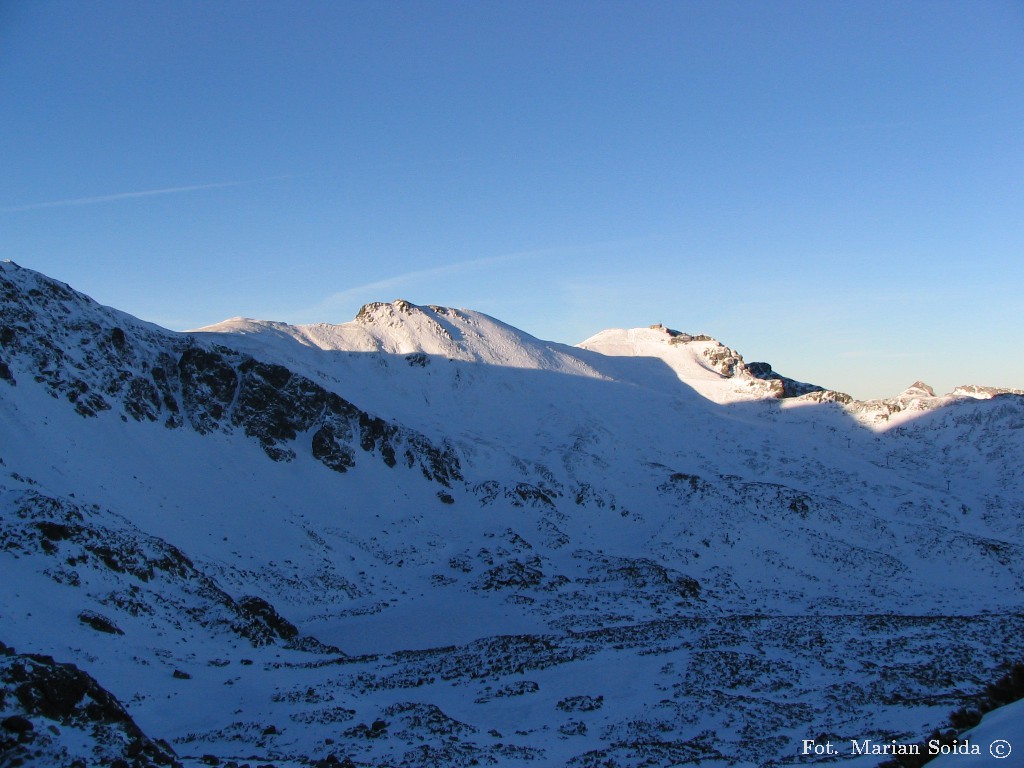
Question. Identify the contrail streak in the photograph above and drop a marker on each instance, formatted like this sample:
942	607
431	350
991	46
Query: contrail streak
407	278
130	195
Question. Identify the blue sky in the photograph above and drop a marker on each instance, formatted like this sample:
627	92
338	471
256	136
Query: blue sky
836	188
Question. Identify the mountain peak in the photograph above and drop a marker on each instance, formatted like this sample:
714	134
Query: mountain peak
716	371
374	310
918	389
679	337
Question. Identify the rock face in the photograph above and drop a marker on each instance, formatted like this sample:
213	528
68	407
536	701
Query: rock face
425	538
790	387
80	351
56	714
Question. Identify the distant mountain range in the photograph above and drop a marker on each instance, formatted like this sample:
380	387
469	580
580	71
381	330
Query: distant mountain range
426	538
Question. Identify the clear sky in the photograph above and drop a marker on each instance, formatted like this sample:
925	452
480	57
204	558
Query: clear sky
834	187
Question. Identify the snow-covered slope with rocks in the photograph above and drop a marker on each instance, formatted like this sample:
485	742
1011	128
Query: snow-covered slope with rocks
427	538
998	739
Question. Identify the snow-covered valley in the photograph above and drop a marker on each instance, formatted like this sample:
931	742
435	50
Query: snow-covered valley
425	538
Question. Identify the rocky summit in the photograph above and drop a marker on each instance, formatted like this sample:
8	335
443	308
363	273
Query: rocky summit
426	538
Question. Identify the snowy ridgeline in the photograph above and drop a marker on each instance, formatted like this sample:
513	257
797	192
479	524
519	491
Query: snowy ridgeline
427	538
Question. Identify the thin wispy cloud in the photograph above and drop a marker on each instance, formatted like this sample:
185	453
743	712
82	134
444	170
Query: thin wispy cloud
98	199
361	292
407	278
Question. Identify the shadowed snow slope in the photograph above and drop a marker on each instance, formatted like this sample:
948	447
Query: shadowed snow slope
426	538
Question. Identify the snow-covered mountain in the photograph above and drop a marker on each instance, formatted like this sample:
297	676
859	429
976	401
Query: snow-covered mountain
425	538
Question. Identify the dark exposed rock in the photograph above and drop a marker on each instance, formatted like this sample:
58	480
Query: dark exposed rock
54	531
158	375
696	483
788	387
377	435
416	720
43	689
580	703
142	399
527	495
17	724
826	396
517	688
573	728
260	610
332	761
330	446
99	622
53	690
649	752
647	576
208	385
119	340
8	336
363	731
273	406
513	574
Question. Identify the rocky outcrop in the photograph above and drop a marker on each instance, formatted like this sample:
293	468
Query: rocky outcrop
55	714
102	360
789	387
88	545
730	364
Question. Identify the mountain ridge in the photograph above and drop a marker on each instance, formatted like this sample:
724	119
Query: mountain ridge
372	331
577	557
